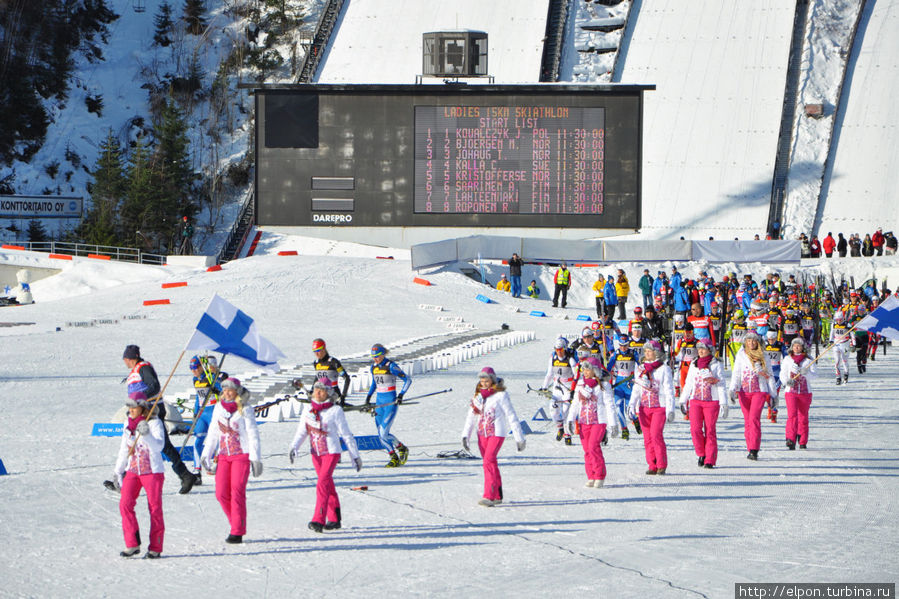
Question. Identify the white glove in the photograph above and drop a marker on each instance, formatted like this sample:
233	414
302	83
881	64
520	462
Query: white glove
256	466
733	397
790	382
632	412
357	462
571	427
722	411
773	402
143	428
117	479
614	431
292	454
521	445
670	417
465	445
684	407
207	463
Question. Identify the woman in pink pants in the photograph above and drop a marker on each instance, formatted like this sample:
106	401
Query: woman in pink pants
752	383
139	466
325	425
231	451
491	412
593	410
794	375
652	402
704	399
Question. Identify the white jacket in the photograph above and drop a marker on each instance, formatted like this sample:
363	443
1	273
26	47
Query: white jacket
695	386
742	365
593	405
649	390
492	417
147	457
801	383
325	432
232	434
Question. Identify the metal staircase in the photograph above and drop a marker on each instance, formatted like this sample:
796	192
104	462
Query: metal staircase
556	17
316	47
787	119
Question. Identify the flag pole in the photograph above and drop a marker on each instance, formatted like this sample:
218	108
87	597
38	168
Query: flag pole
159	396
193	424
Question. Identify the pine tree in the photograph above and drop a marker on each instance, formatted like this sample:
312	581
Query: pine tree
173	157
107	191
164	26
36	231
139	199
193	16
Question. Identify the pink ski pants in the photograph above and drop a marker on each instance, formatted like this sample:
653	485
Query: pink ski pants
231	475
131	486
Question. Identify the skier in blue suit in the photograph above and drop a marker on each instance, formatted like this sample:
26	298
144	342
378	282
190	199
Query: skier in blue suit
622	365
384	373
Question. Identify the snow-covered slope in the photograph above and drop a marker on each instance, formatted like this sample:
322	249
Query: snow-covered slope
824	514
861	186
379	41
710	128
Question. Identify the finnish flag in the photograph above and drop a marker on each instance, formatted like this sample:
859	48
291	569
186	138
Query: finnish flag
884	320
225	329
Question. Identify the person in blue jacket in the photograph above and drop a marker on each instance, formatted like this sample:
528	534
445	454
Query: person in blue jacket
610	297
622	365
675	278
681	300
384	373
208	385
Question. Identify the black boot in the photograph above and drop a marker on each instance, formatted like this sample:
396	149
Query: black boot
753	455
234	539
188	480
316	526
336	523
791	444
701	461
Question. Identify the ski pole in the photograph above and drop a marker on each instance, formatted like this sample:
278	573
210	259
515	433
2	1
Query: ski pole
428	394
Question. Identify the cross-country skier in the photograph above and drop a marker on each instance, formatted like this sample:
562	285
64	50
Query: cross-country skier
384	373
208	385
774	351
859	341
142	377
840	338
704	398
329	370
560	375
139	465
622	364
652	402
752	383
794	374
490	412
325	425
593	412
232	452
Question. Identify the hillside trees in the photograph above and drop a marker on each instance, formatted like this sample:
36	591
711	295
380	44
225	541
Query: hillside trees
139	204
38	43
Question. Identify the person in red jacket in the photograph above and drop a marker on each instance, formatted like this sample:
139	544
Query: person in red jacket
815	247
877	241
828	245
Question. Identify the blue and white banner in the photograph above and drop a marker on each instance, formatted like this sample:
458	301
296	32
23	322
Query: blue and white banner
225	329
884	320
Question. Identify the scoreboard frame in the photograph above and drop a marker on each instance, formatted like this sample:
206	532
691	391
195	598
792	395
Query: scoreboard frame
345	154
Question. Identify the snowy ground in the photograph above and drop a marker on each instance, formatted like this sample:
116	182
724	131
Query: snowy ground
825	514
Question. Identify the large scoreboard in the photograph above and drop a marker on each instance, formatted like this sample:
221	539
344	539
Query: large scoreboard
449	156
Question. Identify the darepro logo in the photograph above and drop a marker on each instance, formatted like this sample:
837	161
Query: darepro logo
333	219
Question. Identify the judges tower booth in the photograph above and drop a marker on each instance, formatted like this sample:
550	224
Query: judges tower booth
454	54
